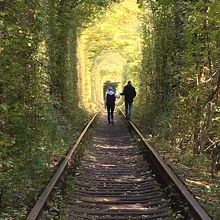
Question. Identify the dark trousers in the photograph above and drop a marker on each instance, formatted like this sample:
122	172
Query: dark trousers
110	109
128	109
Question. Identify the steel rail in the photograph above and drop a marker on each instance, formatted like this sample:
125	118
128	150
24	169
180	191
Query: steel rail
195	207
38	207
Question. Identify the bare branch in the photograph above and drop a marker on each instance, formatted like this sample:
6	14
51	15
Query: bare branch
212	145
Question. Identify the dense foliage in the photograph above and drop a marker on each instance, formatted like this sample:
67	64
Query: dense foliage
39	109
56	56
180	84
180	72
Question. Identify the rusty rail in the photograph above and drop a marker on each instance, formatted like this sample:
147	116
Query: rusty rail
38	207
195	207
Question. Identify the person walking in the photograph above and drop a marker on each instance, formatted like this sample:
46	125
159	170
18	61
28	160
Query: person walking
110	104
129	93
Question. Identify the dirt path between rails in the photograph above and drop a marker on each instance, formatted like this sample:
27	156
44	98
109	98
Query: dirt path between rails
113	180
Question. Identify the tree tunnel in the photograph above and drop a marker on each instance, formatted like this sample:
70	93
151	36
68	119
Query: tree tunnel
58	56
109	71
109	51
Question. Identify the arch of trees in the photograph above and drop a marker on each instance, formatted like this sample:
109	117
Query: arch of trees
54	53
110	49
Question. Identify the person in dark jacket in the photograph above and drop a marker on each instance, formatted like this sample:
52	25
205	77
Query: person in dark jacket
110	104
129	93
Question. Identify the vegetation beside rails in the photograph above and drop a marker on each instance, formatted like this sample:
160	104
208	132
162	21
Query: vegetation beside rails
40	112
58	206
178	101
193	170
55	58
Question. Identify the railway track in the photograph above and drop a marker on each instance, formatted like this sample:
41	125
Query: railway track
121	178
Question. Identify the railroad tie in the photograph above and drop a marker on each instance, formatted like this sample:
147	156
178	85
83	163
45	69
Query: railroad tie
114	181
